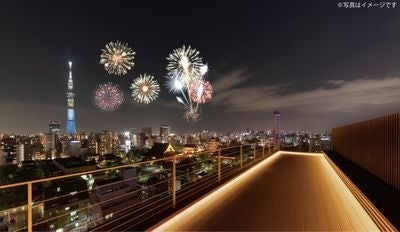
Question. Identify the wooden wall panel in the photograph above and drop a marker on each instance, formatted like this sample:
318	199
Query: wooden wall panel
373	145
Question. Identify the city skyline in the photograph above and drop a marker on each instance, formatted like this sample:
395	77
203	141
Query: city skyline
318	64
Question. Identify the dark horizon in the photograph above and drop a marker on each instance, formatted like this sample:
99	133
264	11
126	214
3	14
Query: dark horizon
320	65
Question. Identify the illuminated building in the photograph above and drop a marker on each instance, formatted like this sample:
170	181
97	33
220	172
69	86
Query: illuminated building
2	158
20	153
159	150
112	195
50	143
147	131
164	130
71	128
277	128
101	143
73	148
66	204
54	127
126	140
212	145
81	136
8	145
202	136
105	142
326	143
189	148
18	215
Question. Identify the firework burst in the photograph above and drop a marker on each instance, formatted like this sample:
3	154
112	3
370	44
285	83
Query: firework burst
108	97
175	84
145	89
185	63
186	77
201	91
117	58
204	69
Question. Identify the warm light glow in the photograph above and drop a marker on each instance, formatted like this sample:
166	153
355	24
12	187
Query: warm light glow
116	58
352	209
173	222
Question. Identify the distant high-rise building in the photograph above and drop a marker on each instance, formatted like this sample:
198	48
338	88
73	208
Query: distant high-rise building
326	143
202	136
2	157
81	136
8	145
135	138
102	143
50	142
164	130
73	148
277	128
54	127
71	127
20	153
147	131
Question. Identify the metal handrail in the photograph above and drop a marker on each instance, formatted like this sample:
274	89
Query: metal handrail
112	168
219	171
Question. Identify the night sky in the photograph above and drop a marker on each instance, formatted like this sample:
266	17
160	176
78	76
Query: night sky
320	65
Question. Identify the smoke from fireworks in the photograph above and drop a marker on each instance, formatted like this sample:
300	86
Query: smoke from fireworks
201	91
117	58
108	97
192	114
145	89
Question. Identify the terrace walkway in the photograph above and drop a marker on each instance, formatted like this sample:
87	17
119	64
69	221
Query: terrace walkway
287	191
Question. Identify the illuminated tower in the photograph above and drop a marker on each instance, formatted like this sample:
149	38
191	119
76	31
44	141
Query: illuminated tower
277	128
71	128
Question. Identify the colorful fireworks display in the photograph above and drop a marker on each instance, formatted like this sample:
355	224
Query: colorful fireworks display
186	77
201	91
117	58
145	89
184	62
108	97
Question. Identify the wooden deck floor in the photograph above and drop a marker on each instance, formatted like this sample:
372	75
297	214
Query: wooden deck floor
286	192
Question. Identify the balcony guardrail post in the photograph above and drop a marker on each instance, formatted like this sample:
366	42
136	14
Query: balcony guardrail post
174	182
219	165
172	176
263	147
241	156
29	207
254	152
269	148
